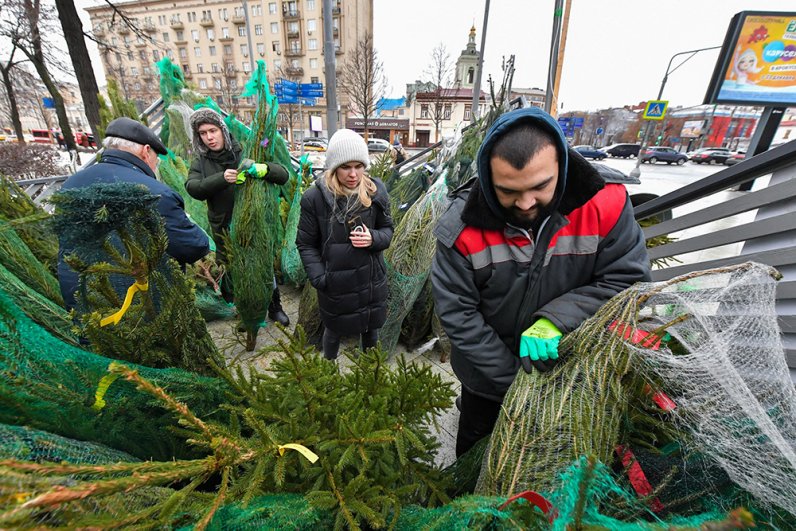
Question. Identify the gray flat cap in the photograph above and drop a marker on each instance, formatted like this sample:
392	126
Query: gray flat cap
133	131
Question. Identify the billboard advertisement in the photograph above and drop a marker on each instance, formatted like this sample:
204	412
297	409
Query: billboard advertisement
757	63
692	128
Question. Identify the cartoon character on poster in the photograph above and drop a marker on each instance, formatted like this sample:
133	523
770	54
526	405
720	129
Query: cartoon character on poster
745	67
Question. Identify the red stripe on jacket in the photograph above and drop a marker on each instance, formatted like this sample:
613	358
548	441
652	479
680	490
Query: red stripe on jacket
597	217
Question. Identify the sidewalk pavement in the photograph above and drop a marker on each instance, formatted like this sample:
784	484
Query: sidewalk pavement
232	344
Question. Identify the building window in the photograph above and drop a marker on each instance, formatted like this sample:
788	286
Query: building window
446	113
470	75
222	14
126	41
261	48
165	38
275	46
115	42
183	53
195	35
314	79
295	63
130	56
186	69
257	10
424	111
311	24
142	55
467	110
246	66
180	35
200	67
162	20
278	63
137	86
272	8
212	50
225	33
217	83
312	44
133	71
241	31
211	34
244	50
170	53
233	84
313	63
227	49
197	51
258	29
292	27
311	5
202	83
156	55
274	27
214	67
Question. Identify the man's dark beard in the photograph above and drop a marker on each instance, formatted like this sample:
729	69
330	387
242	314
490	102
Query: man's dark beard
524	222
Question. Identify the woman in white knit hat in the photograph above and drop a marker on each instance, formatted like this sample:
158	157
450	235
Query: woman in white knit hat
344	229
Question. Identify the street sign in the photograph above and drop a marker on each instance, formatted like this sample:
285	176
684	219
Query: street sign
600	130
577	122
286	83
49	103
287	91
287	99
311	93
311	86
655	110
308	101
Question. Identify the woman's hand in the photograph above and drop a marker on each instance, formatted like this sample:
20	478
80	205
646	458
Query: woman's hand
231	176
361	237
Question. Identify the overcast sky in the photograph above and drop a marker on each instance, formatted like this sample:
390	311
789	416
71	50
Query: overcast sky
616	50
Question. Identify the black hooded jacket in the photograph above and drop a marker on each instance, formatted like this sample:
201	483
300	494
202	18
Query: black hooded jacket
492	280
351	282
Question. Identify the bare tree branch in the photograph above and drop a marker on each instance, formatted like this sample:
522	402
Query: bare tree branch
363	79
439	71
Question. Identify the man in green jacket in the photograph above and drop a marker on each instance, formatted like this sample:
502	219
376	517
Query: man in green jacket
212	177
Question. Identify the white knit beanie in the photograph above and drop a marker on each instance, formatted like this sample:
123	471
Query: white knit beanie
346	146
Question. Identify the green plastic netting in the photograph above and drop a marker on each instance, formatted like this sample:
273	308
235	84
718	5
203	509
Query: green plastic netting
291	264
50	385
19	260
30	222
26	444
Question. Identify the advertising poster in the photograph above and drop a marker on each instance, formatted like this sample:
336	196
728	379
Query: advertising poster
692	128
760	66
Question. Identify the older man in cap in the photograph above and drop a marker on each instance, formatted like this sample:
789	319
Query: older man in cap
131	156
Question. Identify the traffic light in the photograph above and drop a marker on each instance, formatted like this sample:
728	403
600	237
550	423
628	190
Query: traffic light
658	142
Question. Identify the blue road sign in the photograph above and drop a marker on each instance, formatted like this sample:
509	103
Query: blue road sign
49	103
600	130
311	93
308	101
287	99
311	86
577	122
287	91
286	83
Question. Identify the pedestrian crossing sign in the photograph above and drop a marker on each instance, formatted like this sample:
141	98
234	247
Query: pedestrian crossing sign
655	110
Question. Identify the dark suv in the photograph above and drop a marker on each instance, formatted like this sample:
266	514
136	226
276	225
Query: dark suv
623	150
710	155
668	155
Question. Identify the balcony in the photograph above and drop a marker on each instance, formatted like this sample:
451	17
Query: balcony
238	19
187	74
336	9
338	50
181	41
294	52
225	38
149	27
293	34
177	25
290	14
141	44
207	23
124	29
230	72
296	71
99	29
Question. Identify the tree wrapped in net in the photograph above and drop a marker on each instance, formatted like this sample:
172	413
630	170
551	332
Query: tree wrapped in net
118	244
707	342
30	222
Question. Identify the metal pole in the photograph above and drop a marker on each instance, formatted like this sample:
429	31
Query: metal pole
330	74
301	123
555	41
477	84
636	172
248	34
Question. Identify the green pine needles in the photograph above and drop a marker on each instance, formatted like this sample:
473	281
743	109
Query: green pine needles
118	243
369	428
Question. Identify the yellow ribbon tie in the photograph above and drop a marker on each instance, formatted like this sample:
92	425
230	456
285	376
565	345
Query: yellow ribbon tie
102	388
303	450
128	300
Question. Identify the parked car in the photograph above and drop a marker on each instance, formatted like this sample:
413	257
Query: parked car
378	145
668	155
623	150
590	152
312	144
735	158
710	155
85	139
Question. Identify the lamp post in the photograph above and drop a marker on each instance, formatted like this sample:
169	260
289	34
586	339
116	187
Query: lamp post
636	172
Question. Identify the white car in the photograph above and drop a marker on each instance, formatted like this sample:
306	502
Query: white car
378	144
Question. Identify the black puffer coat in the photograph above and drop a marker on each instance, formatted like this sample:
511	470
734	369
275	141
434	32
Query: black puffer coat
351	282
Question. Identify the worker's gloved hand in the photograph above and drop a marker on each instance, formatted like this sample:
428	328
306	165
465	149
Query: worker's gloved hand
539	346
249	168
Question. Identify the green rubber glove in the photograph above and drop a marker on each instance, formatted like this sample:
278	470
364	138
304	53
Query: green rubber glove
539	344
249	168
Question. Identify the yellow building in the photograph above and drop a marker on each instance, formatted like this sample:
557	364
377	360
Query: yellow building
211	41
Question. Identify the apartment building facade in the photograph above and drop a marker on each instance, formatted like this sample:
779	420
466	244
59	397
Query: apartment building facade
218	42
